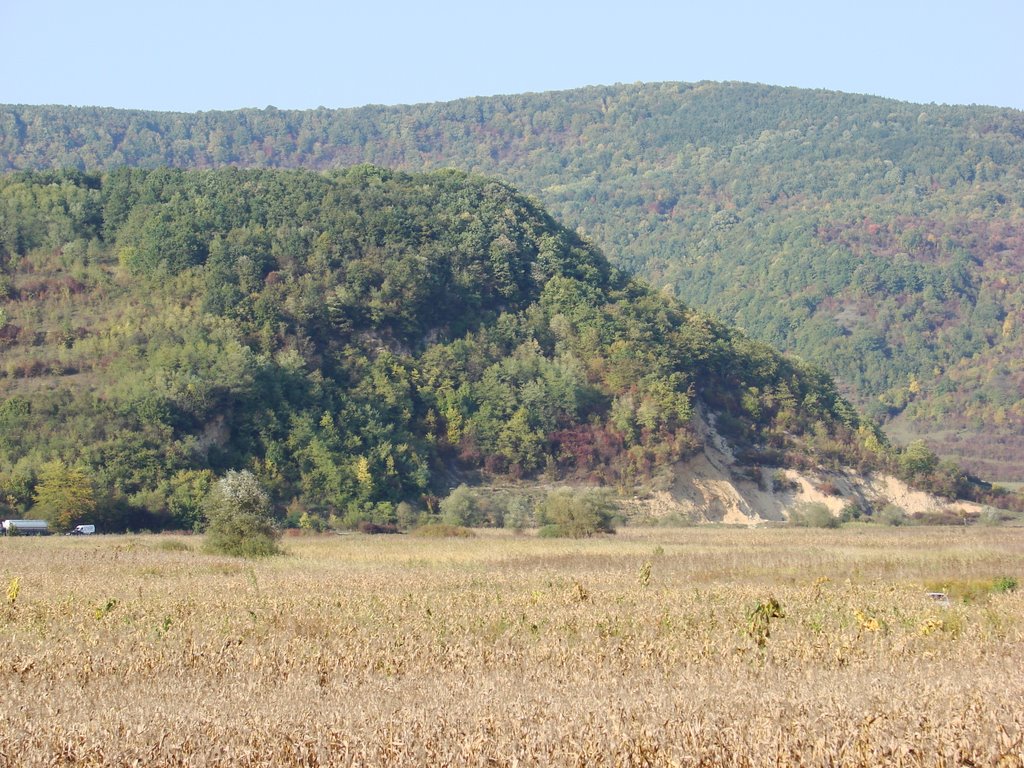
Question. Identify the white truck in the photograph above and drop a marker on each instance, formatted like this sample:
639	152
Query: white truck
25	527
82	530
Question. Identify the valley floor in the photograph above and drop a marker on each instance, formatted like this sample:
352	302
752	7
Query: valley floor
651	647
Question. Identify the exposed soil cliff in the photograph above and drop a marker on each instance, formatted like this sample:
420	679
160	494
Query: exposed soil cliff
712	487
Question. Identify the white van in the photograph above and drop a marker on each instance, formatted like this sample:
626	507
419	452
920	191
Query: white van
82	530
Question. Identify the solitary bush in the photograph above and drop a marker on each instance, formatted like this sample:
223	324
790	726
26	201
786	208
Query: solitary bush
406	515
239	518
891	514
576	514
461	507
993	516
813	515
852	511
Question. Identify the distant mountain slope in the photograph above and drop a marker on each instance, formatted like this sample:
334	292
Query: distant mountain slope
880	239
359	339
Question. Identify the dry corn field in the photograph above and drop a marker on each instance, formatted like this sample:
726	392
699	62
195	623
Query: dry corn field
652	647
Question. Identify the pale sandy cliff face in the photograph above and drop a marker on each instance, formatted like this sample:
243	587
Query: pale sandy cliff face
711	488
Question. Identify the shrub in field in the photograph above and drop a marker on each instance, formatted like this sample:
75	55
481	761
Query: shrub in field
293	513
576	514
471	507
518	513
853	511
993	516
239	518
891	514
379	513
312	523
377	528
461	507
406	515
491	509
813	515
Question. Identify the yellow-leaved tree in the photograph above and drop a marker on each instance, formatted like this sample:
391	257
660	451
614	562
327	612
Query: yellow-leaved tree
64	496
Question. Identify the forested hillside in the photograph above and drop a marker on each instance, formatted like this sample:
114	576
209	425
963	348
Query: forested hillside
880	239
359	339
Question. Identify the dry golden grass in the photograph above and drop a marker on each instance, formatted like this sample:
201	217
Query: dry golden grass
505	650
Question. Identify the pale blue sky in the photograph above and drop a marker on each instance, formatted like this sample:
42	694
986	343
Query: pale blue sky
190	55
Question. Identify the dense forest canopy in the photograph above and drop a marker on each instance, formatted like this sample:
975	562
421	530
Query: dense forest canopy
358	339
878	238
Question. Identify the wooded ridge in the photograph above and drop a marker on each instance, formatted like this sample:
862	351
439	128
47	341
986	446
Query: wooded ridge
362	339
879	239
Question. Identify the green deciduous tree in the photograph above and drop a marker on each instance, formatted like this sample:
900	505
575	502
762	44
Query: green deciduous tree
239	520
461	507
918	460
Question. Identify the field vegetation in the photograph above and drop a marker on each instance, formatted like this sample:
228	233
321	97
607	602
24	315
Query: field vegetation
698	646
